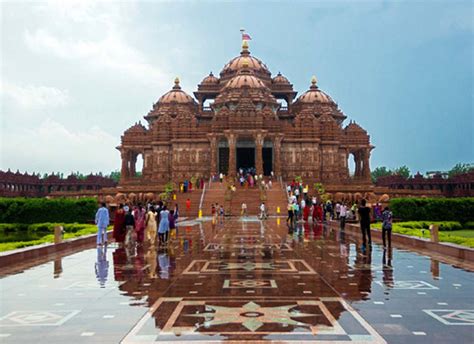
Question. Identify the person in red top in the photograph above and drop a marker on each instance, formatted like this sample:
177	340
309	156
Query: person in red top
188	206
317	212
119	225
306	211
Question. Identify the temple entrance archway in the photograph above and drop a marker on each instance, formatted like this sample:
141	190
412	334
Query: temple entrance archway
223	157
351	164
139	165
267	157
245	153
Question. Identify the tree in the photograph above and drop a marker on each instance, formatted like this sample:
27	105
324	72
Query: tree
381	171
460	168
115	176
403	171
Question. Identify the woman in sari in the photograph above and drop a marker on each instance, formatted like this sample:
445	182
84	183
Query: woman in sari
119	225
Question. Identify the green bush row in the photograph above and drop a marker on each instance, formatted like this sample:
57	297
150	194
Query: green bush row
433	209
419	229
40	210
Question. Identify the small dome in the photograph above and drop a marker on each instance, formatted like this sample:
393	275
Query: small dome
210	80
314	95
242	80
254	64
176	95
280	80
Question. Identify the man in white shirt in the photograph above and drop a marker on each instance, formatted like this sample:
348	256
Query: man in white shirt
342	216
263	211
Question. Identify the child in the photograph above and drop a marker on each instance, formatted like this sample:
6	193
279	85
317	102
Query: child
387	227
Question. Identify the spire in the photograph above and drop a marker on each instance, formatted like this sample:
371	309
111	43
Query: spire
245	48
314	81
176	84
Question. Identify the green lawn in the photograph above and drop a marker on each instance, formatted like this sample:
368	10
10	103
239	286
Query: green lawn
458	235
13	236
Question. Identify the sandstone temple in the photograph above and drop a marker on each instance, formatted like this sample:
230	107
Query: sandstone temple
245	117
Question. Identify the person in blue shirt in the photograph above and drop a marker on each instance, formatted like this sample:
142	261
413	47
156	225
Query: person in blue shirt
102	221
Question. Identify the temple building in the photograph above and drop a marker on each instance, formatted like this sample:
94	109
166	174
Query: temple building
245	117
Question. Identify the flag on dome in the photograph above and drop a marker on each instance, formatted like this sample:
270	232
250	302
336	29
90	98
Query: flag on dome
246	37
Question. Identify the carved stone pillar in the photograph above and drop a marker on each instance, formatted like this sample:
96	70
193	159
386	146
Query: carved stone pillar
124	172
366	165
232	139
258	153
277	154
356	164
133	164
213	143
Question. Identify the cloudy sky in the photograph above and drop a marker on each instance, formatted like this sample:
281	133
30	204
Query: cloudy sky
76	74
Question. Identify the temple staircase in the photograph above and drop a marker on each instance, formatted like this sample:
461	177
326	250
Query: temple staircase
214	193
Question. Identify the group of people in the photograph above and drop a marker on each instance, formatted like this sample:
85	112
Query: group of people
137	225
188	184
301	207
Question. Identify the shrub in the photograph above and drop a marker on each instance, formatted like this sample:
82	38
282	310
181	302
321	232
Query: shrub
40	210
433	209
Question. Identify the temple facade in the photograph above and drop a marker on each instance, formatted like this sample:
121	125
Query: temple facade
245	117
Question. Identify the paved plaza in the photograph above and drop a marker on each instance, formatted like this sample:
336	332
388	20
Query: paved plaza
240	280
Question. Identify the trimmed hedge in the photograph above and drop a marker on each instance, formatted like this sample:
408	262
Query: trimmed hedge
433	209
40	210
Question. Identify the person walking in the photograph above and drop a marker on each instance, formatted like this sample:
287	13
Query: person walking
140	216
263	211
172	222
164	227
244	209
150	224
188	206
387	227
364	215
129	226
343	216
102	221
119	225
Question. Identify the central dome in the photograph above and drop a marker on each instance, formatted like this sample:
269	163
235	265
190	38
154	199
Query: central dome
254	64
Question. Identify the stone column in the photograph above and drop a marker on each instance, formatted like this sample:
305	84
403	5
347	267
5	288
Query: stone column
277	155
356	164
124	172
232	139
258	153
133	164
213	151
366	165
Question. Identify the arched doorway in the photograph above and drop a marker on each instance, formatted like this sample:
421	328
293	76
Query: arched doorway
223	156
245	154
267	157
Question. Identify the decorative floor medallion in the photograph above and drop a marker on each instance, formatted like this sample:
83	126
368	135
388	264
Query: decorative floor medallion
36	318
294	321
418	285
452	316
264	283
298	266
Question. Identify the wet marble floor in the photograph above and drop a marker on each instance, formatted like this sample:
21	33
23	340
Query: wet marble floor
240	280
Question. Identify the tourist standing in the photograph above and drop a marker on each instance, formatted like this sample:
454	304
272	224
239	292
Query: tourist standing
188	206
263	211
176	212
119	225
221	177
343	215
364	215
306	210
244	209
172	222
387	227
150	224
291	214
140	216
129	226
338	210
102	221
164	227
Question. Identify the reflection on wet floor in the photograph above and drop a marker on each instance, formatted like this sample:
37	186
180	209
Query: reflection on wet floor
242	280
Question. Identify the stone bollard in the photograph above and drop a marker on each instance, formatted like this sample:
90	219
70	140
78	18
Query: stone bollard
278	210
434	233
58	234
200	213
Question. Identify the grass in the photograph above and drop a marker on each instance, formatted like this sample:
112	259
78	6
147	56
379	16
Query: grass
16	236
464	237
